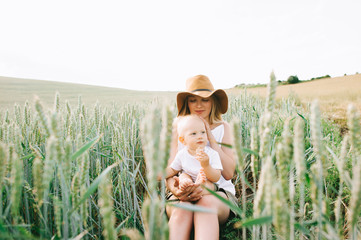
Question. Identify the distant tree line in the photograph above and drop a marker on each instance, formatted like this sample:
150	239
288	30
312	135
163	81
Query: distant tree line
293	79
326	76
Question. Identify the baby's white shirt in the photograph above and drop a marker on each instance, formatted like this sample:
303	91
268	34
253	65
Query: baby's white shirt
218	134
187	163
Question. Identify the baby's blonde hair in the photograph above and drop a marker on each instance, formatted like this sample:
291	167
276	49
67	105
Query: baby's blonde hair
182	123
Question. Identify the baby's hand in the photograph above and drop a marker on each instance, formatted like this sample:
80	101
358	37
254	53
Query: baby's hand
202	157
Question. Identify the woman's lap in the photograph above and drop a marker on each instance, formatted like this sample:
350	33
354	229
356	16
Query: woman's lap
170	209
209	201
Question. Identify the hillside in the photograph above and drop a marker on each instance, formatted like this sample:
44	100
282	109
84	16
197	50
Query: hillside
334	94
17	90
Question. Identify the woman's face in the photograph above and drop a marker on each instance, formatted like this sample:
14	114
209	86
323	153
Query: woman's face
200	106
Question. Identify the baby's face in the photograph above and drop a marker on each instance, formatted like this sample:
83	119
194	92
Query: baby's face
195	134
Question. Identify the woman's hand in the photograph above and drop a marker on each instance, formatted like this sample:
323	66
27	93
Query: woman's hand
190	194
209	131
225	153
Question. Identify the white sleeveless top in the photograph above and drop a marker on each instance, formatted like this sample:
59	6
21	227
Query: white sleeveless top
218	133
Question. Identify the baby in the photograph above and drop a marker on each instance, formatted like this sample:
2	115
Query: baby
196	161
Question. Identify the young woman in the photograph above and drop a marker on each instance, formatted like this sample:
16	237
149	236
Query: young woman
201	99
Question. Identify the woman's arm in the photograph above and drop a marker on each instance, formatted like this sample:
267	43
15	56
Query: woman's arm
226	154
170	172
190	194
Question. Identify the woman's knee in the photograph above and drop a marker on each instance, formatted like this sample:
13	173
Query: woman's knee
212	202
181	215
207	201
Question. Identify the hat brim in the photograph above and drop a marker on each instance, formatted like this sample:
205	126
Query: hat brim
219	94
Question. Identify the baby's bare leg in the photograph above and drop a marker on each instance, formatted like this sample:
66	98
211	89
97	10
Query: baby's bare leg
185	181
209	185
201	178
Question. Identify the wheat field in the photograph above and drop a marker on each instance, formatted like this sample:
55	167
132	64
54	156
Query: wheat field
87	171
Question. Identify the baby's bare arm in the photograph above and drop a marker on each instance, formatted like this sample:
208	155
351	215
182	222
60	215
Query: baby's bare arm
212	174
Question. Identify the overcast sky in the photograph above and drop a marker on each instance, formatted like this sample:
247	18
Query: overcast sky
158	44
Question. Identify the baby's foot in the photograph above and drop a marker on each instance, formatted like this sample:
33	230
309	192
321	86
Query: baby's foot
201	178
185	183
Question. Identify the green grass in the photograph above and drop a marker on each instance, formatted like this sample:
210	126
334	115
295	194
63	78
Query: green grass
65	152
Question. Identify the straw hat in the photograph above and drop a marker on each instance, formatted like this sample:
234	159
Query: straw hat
201	86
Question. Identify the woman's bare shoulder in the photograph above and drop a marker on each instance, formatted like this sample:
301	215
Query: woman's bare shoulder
215	125
227	128
175	123
226	124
